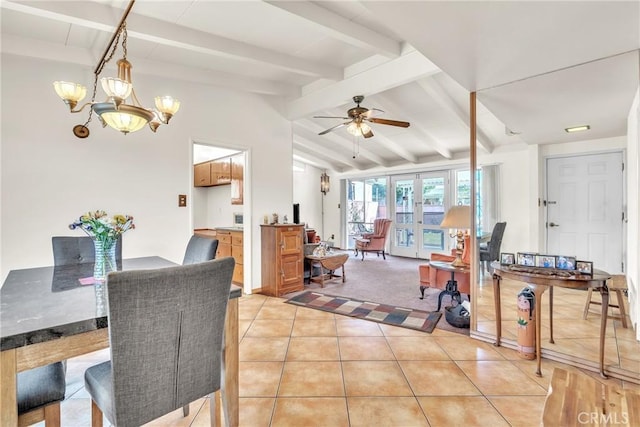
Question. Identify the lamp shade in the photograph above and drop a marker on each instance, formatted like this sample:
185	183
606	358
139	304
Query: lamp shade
167	104
126	118
358	129
70	91
457	217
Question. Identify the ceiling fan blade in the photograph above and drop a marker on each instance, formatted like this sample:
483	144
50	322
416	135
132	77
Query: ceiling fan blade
389	122
369	113
334	127
368	134
331	117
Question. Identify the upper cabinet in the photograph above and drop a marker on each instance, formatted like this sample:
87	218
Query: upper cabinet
214	172
237	179
202	174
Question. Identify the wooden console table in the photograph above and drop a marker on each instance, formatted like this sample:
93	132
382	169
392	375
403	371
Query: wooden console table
331	262
539	283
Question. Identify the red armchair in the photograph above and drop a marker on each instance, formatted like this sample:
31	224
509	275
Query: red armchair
374	242
433	278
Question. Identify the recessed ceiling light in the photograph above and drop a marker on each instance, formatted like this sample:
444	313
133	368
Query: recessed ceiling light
578	128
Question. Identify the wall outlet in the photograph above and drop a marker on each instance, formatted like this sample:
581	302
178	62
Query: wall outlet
182	200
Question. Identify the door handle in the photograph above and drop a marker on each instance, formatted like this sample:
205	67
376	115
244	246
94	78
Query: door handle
553	224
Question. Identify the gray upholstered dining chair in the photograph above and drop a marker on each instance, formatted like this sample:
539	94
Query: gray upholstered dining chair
200	249
491	251
166	331
39	392
68	250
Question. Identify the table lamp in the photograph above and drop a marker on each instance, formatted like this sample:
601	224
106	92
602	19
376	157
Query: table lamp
458	218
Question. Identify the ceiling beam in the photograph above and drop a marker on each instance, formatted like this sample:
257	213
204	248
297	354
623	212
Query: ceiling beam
101	17
444	99
423	132
326	152
341	28
313	160
84	57
406	68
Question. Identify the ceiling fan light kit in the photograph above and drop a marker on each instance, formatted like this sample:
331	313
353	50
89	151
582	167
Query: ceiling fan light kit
357	120
116	112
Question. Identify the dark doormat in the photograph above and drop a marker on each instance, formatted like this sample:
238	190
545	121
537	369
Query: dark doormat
397	316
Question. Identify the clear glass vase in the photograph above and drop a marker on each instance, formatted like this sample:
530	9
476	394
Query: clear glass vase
105	259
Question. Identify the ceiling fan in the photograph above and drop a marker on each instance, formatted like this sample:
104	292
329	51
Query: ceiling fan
358	118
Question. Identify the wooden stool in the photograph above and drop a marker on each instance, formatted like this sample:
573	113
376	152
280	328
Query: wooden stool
618	285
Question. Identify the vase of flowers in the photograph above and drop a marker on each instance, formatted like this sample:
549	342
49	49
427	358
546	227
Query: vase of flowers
105	232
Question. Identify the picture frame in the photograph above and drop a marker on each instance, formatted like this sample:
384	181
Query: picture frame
584	267
526	258
564	262
546	261
507	258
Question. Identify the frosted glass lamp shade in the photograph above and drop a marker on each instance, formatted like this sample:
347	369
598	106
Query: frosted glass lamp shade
72	92
358	129
116	88
167	105
125	118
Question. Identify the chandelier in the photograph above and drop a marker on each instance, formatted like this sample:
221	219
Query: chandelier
121	110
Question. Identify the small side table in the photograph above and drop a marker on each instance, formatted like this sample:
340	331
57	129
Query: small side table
329	262
451	287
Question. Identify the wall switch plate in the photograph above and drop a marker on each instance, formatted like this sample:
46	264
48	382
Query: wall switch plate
182	200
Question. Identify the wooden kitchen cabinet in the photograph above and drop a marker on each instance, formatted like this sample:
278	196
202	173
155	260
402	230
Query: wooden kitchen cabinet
221	171
202	175
230	244
282	259
213	172
237	179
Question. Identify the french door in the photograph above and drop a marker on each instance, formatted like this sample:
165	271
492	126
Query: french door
420	201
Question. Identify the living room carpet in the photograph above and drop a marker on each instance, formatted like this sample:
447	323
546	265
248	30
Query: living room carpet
391	315
394	281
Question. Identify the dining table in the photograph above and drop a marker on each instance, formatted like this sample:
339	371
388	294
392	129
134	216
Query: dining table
50	314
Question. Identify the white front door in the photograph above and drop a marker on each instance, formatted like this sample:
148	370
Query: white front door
585	209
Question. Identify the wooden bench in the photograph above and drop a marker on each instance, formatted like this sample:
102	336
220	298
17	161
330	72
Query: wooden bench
576	399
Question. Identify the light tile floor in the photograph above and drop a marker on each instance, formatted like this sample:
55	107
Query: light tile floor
304	367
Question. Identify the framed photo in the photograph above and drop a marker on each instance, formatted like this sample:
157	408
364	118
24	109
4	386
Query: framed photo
584	267
507	259
546	261
526	258
566	262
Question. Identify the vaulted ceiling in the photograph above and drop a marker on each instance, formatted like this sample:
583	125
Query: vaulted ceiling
538	67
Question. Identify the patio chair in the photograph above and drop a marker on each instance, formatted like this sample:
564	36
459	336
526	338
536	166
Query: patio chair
375	241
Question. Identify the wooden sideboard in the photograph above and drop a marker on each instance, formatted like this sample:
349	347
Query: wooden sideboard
282	259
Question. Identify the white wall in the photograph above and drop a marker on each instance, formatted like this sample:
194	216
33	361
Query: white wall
49	177
306	192
633	212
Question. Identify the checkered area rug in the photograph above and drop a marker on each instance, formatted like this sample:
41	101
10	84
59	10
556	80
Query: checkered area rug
382	313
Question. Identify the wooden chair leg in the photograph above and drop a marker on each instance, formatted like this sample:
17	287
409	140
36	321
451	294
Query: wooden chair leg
623	310
587	304
96	415
215	403
52	415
